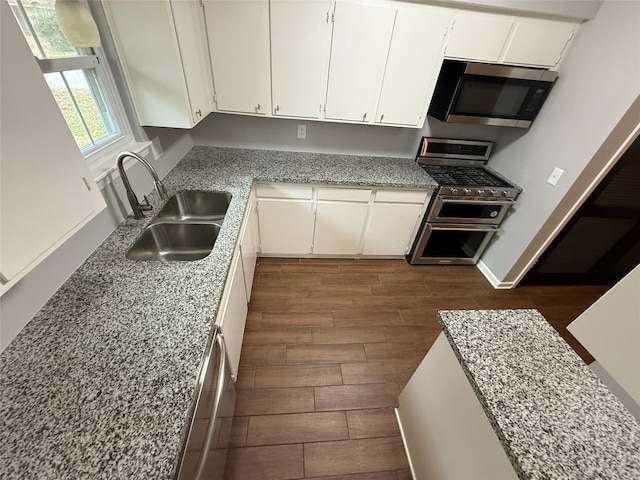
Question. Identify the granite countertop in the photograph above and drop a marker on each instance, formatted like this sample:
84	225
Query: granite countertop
100	383
552	414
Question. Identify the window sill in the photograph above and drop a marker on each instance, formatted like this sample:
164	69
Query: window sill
104	168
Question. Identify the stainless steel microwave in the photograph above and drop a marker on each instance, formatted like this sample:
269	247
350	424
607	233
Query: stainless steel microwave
488	94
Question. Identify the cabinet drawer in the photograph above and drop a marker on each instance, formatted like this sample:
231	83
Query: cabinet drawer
278	190
344	194
400	196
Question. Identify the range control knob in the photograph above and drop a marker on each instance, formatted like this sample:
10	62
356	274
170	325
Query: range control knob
494	193
467	191
505	193
480	192
454	191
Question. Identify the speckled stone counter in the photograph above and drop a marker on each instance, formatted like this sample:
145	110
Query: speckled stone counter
551	413
100	383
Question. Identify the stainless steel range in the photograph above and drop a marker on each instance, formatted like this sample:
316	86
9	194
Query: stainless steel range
468	206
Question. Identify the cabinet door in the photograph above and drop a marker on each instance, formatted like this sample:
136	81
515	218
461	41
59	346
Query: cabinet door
390	228
286	226
46	190
192	40
413	65
538	42
233	315
249	246
300	41
238	34
359	47
167	88
339	228
477	36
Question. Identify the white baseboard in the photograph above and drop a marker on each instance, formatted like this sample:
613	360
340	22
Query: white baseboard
404	442
493	280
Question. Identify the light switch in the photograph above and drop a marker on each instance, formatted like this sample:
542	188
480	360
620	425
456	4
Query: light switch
555	176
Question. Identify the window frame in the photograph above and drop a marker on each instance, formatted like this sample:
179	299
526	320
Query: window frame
95	59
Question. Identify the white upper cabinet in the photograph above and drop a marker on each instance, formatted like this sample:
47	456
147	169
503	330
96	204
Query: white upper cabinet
537	42
478	36
510	40
238	33
300	42
46	190
413	63
359	48
162	48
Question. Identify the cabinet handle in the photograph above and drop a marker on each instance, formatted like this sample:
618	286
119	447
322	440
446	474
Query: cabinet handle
258	107
199	113
364	116
381	117
277	108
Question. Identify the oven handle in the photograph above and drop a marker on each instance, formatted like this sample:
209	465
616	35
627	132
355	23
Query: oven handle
464	227
475	200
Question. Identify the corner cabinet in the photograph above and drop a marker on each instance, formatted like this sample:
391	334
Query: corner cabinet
162	48
46	190
239	47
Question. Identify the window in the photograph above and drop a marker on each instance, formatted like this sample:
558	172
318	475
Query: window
79	79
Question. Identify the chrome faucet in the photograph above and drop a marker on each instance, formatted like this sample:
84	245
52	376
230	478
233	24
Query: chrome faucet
133	200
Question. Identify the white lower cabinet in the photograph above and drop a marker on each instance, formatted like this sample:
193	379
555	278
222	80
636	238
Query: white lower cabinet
249	245
339	227
285	218
286	226
306	220
233	313
390	227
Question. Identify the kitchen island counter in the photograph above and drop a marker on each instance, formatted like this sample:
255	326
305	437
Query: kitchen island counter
552	415
100	383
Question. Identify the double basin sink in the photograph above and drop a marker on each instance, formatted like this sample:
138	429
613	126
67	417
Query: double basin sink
186	228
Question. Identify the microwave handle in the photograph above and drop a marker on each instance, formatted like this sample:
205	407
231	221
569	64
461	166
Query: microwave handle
214	410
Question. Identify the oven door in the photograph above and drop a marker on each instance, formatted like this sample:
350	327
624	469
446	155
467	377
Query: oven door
456	244
446	209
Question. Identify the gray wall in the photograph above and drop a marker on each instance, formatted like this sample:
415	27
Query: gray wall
599	80
224	130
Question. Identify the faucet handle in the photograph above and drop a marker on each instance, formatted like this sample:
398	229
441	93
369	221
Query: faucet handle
146	206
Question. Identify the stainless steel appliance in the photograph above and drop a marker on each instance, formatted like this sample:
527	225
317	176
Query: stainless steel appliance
490	94
468	206
205	449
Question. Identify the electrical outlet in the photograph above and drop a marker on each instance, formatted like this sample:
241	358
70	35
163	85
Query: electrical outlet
156	148
555	176
302	131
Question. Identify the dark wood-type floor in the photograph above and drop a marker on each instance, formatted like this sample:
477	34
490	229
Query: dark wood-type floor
328	346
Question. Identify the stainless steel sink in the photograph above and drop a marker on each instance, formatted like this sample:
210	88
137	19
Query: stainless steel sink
175	241
194	205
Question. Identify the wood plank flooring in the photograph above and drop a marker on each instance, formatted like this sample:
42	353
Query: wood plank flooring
330	343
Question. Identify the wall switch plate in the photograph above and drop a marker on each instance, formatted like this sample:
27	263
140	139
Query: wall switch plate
302	131
555	176
156	148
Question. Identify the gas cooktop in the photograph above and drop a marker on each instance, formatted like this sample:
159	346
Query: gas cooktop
464	176
459	168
